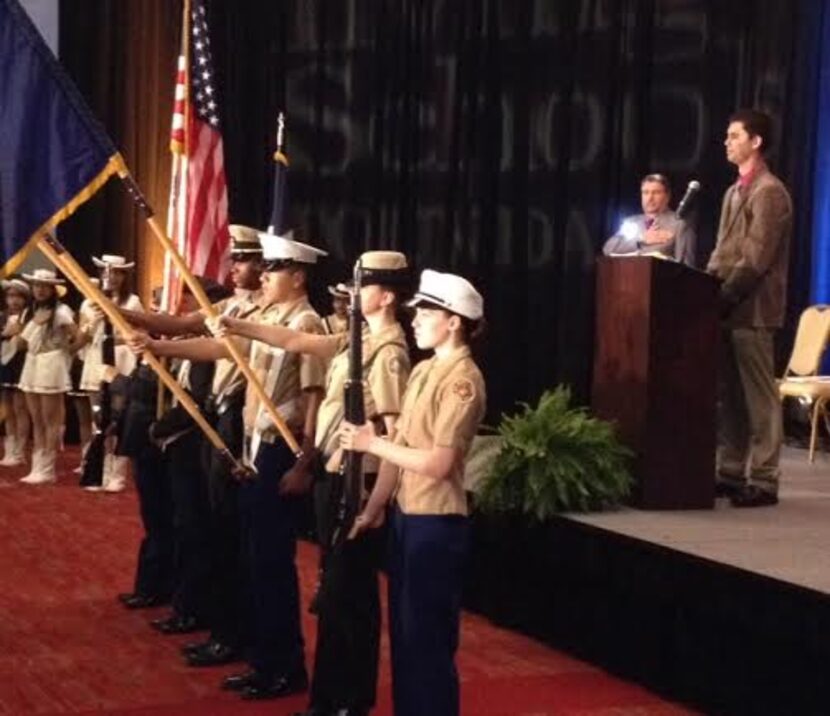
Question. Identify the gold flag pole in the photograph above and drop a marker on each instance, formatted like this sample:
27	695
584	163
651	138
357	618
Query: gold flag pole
200	295
64	261
184	51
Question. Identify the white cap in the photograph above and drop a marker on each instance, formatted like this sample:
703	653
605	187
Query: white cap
44	275
449	291
284	248
244	240
112	261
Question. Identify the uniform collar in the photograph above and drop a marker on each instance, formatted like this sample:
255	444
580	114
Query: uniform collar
392	332
287	311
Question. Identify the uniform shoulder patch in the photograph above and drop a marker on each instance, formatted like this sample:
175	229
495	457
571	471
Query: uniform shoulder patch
394	364
463	389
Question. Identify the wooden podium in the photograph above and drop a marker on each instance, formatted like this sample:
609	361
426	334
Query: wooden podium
655	375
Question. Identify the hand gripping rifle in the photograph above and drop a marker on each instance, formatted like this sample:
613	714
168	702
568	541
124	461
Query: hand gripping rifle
354	411
92	470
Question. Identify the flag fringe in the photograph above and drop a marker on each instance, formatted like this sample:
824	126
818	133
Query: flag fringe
115	165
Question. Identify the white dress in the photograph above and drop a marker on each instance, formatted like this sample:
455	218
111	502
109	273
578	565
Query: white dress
125	359
46	368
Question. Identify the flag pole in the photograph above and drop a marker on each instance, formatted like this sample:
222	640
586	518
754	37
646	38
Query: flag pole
199	294
64	261
167	302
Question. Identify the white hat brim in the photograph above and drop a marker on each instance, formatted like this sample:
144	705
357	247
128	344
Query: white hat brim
40	279
18	284
100	263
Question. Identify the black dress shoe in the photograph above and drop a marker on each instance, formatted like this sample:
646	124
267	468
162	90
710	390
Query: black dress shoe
176	624
124	597
332	712
754	496
727	489
192	646
143	601
276	688
238	682
213	654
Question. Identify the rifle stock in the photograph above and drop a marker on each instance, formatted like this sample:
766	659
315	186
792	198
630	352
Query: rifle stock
351	467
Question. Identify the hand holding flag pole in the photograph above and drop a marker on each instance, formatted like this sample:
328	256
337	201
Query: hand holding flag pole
200	295
64	261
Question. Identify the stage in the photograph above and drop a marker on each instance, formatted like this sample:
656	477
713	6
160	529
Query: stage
726	609
789	542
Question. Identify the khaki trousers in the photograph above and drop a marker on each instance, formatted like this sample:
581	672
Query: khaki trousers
750	429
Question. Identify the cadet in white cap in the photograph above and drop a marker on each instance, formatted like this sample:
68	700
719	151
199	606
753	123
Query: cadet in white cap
269	503
17	296
51	337
96	331
348	635
422	466
224	407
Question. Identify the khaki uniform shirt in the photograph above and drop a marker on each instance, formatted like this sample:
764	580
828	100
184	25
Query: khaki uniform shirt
227	378
443	406
284	375
334	325
386	369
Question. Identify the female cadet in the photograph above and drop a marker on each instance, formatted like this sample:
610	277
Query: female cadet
51	338
443	406
348	635
114	273
18	298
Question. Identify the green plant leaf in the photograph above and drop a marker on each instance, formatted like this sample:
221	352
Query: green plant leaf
554	458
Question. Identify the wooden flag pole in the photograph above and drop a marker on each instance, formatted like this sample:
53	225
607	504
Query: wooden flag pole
64	261
200	295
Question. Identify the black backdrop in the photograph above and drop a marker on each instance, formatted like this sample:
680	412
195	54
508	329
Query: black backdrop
502	139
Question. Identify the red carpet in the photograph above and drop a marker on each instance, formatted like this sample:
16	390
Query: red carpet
66	646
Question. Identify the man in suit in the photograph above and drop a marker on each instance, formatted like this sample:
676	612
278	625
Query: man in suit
657	229
751	259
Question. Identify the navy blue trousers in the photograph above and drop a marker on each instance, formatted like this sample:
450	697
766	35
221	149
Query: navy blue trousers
154	571
227	575
425	581
269	545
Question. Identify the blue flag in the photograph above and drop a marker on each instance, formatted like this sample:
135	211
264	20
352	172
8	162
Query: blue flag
54	155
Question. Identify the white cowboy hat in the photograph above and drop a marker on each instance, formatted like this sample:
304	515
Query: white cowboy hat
43	275
17	284
112	261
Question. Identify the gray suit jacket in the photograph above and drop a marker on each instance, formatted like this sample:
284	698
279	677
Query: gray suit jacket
751	256
681	247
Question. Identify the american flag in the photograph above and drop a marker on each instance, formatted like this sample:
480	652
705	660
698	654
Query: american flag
197	219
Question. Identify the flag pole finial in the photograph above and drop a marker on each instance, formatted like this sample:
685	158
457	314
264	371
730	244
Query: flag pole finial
280	130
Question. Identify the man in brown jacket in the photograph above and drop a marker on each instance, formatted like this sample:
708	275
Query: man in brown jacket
751	259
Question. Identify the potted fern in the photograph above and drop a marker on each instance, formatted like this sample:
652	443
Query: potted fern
554	458
546	459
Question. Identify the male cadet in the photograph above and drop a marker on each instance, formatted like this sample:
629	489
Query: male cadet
657	229
269	501
751	259
338	320
180	439
224	408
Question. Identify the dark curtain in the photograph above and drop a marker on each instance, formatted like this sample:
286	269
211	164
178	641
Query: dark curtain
500	139
122	55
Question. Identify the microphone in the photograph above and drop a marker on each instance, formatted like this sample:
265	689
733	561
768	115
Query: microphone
692	189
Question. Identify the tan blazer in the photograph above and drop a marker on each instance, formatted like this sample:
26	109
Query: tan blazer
752	251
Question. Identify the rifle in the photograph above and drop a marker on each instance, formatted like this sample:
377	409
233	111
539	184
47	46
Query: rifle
92	470
354	411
